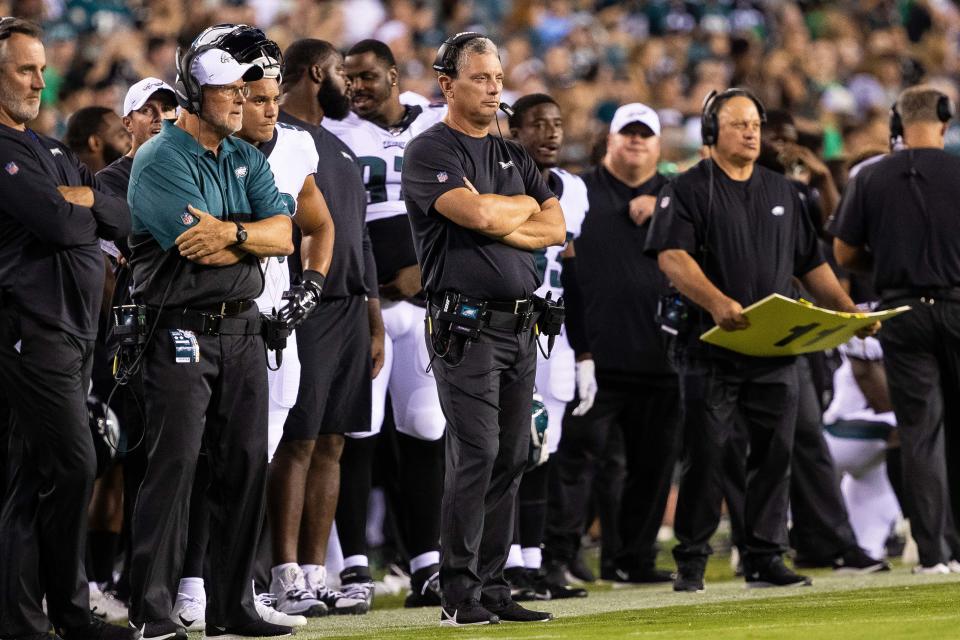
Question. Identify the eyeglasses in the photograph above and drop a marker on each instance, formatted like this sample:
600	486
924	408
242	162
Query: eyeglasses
231	91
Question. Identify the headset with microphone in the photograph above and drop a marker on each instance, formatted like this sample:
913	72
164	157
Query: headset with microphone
944	115
709	122
446	61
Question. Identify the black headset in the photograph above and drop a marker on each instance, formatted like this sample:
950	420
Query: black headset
5	23
709	125
188	91
944	114
446	60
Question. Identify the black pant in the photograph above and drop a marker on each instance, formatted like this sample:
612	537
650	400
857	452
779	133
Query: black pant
487	401
921	353
43	524
715	395
821	527
220	401
646	414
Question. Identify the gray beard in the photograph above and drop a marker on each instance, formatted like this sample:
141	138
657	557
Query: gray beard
18	111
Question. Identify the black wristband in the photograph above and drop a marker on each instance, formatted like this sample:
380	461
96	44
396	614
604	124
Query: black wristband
315	277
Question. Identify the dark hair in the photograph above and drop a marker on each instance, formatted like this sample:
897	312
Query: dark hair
777	118
83	124
379	49
303	54
9	26
526	103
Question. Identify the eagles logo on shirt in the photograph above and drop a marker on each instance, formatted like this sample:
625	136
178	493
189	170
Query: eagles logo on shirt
442	176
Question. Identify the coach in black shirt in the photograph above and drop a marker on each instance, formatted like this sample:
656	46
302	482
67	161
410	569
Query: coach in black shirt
904	208
729	233
478	207
52	215
638	389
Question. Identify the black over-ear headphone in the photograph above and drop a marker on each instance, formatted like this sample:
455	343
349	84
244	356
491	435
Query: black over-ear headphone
944	114
709	125
188	91
446	60
5	23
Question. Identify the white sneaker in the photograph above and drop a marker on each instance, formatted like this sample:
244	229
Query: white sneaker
105	606
954	566
359	591
189	612
938	569
293	597
338	602
265	603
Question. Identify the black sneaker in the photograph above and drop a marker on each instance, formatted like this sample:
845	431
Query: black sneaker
521	586
646	575
467	613
579	569
40	636
424	588
549	588
252	629
690	576
856	560
97	629
510	611
771	572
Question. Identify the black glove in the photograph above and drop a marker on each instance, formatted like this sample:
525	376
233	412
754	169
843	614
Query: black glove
301	299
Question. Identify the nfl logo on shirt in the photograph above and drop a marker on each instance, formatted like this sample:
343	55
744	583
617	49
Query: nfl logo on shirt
442	176
12	168
186	218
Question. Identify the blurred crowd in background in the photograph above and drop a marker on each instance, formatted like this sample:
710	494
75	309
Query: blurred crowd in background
836	66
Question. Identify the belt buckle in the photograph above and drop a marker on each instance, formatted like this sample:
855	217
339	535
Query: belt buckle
211	324
524	321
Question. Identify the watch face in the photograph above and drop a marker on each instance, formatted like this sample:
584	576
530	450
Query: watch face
241	236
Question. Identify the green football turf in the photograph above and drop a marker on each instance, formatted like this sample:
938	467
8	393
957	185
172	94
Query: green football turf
889	605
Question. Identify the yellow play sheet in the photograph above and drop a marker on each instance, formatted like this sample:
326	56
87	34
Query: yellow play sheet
780	326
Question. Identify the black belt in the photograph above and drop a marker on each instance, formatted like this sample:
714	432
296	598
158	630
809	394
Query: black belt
209	321
513	315
926	296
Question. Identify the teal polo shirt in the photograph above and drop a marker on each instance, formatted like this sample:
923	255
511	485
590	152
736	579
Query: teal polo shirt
172	171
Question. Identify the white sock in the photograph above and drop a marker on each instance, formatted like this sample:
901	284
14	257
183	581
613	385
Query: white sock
514	558
424	560
355	561
315	574
532	557
277	571
94	588
193	587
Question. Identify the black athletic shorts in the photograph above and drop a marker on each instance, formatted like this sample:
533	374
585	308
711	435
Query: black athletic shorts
334	395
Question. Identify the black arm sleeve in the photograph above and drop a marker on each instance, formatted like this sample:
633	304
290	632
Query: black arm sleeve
574	319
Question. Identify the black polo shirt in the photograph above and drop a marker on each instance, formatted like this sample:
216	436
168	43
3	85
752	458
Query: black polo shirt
620	285
51	266
353	270
751	237
454	257
115	177
904	209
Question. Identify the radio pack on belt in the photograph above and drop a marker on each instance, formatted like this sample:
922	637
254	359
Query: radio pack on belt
672	313
550	316
130	330
465	315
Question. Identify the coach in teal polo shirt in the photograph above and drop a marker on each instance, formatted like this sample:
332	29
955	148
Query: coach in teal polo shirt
205	210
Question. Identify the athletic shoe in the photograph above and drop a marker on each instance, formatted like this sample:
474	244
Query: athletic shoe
160	630
467	613
40	636
690	576
647	575
579	569
521	586
856	560
293	596
424	588
97	629
104	605
338	603
546	588
771	572
189	612
954	566
252	629
356	584
939	569
509	611
265	602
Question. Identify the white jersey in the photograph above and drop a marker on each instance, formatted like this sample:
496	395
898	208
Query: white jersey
849	403
380	155
573	201
292	156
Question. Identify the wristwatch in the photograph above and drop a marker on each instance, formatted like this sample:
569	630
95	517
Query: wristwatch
241	233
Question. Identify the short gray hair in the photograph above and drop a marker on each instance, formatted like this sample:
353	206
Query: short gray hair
919	104
477	46
10	26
